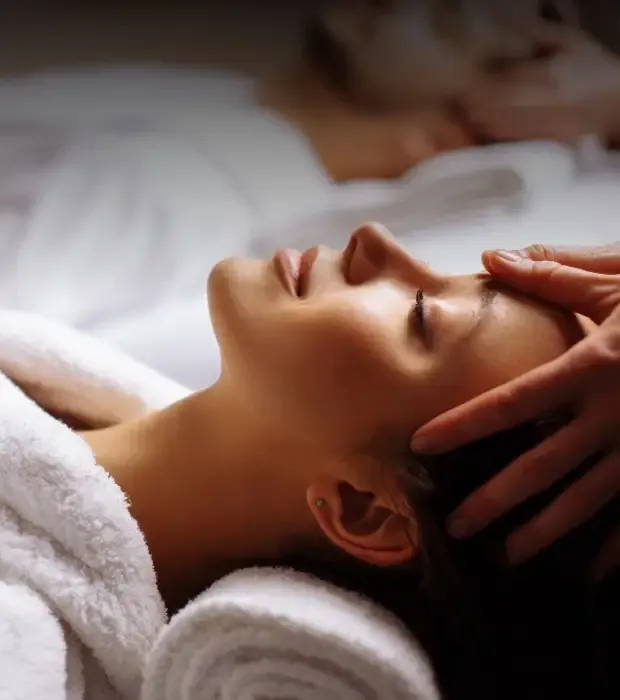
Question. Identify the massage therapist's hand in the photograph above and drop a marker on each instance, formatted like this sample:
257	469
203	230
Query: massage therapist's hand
585	379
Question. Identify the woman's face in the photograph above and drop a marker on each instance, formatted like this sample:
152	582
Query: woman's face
338	348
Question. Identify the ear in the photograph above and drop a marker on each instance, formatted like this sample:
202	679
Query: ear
362	524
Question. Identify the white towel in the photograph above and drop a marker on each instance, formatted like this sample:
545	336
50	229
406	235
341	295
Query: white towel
79	605
80	614
274	634
70	373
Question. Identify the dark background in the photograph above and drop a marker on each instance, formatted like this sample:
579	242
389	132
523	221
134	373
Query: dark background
249	36
241	34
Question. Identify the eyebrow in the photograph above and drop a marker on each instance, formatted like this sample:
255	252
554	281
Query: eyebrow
488	293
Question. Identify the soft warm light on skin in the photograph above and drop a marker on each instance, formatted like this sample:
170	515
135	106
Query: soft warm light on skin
348	357
456	314
316	393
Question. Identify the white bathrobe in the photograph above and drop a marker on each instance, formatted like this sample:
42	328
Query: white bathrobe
79	605
81	617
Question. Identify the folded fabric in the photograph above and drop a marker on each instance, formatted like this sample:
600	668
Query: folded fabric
79	604
81	617
67	372
132	181
455	187
279	635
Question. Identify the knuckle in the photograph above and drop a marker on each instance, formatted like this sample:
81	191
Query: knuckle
611	249
491	505
605	355
600	252
608	357
541	252
506	408
540	468
547	460
594	363
584	499
543	271
545	267
530	481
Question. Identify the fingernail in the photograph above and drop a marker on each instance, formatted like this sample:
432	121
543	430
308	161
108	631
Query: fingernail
460	528
420	443
507	255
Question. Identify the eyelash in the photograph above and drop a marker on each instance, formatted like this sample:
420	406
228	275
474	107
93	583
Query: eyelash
418	311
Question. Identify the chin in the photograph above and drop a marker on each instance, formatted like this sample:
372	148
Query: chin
221	275
222	293
219	279
235	288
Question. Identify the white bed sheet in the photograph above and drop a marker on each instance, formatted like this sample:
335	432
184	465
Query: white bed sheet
445	212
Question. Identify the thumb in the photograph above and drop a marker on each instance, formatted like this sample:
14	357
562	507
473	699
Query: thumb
590	294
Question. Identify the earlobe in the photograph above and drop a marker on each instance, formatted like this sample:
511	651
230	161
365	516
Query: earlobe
359	524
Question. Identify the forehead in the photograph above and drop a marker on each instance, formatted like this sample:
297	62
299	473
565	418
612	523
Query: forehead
515	334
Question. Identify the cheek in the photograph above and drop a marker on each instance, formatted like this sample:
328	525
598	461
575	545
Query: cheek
331	375
243	297
238	290
327	369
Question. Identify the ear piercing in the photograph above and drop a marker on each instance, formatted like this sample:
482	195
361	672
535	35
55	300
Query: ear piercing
320	503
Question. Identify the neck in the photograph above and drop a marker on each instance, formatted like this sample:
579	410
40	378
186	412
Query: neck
296	90
197	478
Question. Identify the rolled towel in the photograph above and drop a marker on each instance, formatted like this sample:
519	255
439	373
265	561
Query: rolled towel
275	634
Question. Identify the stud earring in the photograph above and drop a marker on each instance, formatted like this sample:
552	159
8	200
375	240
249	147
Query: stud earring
320	503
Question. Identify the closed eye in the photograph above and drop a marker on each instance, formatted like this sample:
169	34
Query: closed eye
418	313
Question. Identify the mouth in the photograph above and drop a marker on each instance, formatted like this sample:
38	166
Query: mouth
306	263
293	269
288	267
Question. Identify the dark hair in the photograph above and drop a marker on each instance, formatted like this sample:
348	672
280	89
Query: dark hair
333	65
326	56
536	631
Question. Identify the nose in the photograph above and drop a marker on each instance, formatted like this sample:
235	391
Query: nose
373	252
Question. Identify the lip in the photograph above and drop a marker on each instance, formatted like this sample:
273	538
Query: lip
288	267
347	256
306	262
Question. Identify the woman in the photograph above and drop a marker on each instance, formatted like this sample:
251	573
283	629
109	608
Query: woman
299	453
341	347
329	361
